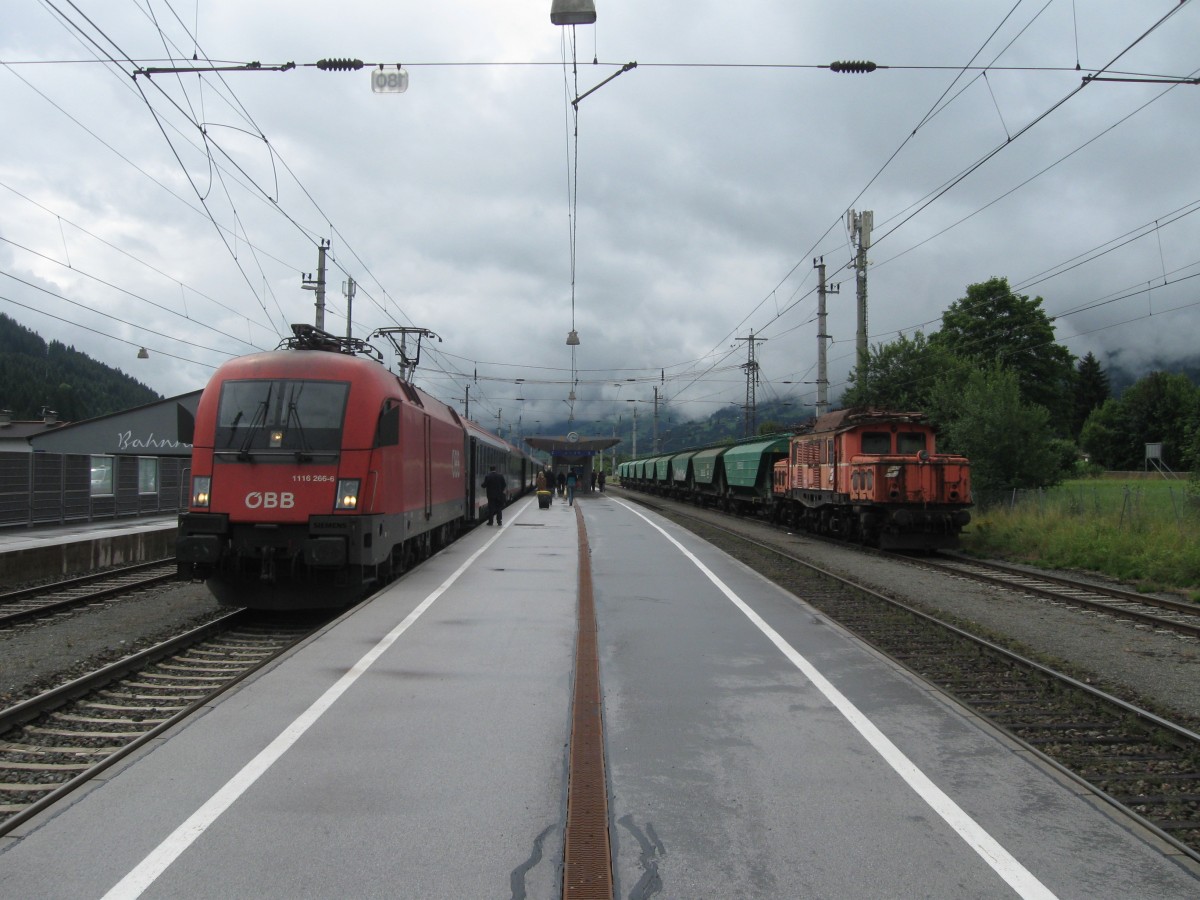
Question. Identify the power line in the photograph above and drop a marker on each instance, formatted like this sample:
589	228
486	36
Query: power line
113	337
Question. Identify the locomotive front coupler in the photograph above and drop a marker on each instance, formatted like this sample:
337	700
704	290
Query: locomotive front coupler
267	572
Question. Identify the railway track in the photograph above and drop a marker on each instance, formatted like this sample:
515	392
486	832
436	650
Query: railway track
1143	764
54	743
42	601
1157	612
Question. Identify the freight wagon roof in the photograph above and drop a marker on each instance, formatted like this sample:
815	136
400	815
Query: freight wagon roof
743	461
679	465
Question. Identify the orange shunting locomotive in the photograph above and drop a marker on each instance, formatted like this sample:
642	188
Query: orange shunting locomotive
876	477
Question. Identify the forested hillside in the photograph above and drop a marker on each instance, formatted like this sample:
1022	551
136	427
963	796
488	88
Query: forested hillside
34	375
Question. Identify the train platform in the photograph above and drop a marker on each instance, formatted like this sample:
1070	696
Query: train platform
416	747
52	551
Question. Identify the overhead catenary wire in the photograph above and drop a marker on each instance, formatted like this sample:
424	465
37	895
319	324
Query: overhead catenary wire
383	299
933	196
208	144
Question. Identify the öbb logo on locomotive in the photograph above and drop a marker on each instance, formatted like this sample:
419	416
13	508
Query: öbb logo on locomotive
270	500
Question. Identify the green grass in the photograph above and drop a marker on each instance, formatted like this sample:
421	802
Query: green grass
1143	532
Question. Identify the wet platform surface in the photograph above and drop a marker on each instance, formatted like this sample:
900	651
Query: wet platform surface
417	748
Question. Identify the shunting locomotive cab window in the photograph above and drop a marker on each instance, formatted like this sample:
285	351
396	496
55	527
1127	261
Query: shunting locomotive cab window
911	441
281	416
877	442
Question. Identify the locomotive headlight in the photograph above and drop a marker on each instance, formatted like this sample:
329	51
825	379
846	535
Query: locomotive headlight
201	484
276	439
347	494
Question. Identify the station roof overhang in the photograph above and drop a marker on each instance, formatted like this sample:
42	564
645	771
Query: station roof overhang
571	446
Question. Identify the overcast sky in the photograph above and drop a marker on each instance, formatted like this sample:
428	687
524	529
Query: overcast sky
178	212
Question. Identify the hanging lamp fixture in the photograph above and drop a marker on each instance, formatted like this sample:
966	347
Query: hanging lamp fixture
572	12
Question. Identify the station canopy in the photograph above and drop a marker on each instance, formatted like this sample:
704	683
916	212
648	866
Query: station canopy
572	449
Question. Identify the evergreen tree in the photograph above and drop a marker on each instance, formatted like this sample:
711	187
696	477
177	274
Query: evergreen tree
34	374
1091	390
1159	408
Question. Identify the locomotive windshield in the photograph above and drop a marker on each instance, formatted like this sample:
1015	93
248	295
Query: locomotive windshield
911	442
290	417
877	442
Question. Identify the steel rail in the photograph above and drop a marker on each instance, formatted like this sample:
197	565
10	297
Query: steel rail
59	696
1069	591
105	592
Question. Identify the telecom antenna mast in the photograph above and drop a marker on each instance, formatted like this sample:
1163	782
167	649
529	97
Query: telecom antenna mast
860	225
822	337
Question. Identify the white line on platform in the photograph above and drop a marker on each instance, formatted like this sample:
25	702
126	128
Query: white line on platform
1004	863
150	868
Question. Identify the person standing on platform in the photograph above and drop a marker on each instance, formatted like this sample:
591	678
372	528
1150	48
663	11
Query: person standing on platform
496	488
562	484
571	482
600	480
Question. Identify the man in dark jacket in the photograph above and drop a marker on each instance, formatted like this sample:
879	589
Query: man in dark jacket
496	487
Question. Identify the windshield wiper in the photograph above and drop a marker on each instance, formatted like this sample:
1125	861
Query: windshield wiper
302	454
293	413
259	420
233	428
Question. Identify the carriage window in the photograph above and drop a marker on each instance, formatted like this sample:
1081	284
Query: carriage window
876	442
912	441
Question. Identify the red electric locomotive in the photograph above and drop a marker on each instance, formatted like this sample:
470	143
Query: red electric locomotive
873	476
317	473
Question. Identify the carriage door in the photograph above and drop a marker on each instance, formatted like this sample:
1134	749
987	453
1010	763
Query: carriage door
428	437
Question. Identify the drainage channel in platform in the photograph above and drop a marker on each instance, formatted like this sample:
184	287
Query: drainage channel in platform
587	862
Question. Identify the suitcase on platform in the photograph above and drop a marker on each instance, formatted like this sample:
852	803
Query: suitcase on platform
544	498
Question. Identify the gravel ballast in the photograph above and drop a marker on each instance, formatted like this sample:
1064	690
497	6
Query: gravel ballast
49	652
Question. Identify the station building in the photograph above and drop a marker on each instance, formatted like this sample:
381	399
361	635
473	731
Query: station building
130	463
